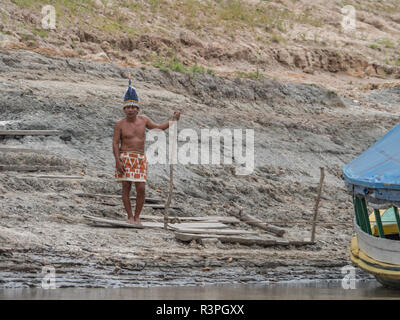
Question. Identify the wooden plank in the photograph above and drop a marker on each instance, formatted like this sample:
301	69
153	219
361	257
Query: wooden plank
31	168
148	205
22	150
158	225
120	223
223	238
202	219
216	232
30	132
113	196
160	206
53	177
199	225
258	223
241	240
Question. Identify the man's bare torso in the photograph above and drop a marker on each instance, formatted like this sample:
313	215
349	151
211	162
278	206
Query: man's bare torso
133	134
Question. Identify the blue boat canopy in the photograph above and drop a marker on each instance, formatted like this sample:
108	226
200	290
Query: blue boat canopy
376	172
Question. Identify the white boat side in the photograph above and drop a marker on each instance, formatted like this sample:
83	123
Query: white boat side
384	250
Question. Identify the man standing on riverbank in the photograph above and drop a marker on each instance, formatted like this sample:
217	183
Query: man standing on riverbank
128	148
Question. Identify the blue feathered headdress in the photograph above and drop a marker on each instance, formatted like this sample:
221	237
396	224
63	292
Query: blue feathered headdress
131	98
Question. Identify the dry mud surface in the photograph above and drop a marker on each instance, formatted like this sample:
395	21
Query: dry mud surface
298	128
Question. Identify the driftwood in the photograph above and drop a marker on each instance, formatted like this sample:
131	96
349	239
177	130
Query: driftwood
232	239
155	225
215	232
120	223
22	150
54	177
221	219
200	225
147	205
114	196
314	222
161	206
31	168
30	132
258	223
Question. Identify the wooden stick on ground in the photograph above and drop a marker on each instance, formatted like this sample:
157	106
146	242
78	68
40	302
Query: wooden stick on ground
22	150
30	132
258	223
321	181
239	239
31	168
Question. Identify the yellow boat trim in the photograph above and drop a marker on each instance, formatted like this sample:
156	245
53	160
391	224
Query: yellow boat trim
370	265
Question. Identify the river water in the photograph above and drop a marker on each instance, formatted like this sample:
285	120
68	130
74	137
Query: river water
288	290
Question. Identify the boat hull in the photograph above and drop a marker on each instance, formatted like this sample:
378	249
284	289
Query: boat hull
387	274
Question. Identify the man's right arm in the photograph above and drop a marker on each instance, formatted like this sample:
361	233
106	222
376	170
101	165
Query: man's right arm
116	151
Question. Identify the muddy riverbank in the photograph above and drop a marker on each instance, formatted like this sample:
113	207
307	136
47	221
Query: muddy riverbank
298	128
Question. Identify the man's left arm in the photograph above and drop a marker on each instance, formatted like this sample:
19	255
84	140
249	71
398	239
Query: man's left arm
163	126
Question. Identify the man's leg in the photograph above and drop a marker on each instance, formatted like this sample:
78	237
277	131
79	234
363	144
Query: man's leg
140	196
126	189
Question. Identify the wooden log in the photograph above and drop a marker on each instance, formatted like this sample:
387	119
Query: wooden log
22	150
30	132
114	196
221	219
160	206
31	168
120	223
215	232
241	240
54	177
314	222
258	223
200	225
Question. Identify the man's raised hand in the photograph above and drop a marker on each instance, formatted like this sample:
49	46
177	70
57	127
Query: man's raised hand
176	116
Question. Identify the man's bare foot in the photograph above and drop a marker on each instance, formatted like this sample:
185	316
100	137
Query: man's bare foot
137	221
131	220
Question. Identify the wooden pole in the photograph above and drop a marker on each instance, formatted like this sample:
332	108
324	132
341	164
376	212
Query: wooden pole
171	172
314	222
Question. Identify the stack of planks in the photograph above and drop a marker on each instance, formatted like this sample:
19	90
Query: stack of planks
197	228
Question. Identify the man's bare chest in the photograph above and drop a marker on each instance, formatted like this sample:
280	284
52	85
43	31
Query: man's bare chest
136	129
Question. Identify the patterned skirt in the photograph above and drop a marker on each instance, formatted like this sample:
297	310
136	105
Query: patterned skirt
135	165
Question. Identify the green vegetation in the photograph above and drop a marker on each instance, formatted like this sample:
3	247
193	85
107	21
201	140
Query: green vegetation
173	64
374	46
196	69
40	32
250	75
24	36
122	16
276	38
24	3
211	72
387	43
397	62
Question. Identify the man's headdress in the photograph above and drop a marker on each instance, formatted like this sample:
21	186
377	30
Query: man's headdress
131	98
